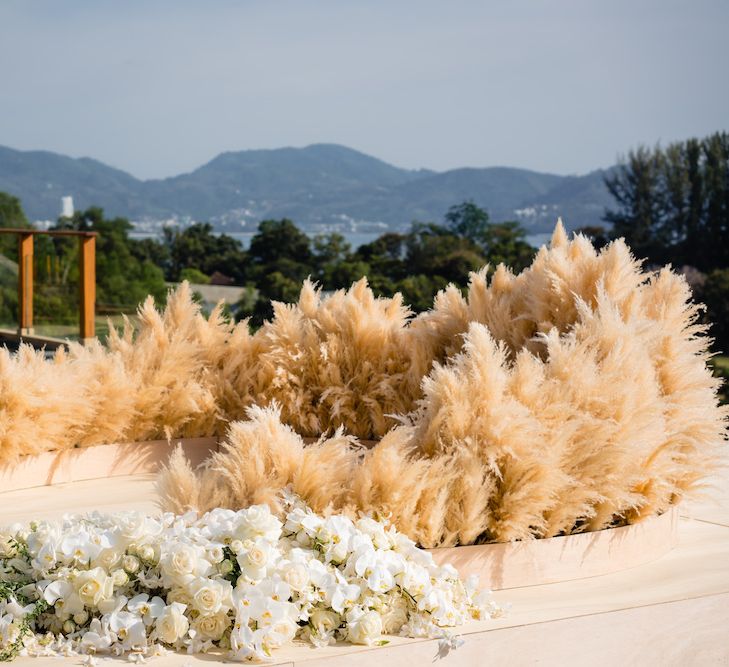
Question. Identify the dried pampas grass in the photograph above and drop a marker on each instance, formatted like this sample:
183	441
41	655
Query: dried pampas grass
338	362
572	396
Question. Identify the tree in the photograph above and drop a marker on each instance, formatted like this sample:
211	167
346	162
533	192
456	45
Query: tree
198	247
435	251
597	234
12	216
418	290
384	257
498	243
194	276
505	243
122	280
716	200
715	295
469	221
673	203
279	259
278	239
331	253
637	187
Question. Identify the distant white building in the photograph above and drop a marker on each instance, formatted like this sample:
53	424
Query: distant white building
67	207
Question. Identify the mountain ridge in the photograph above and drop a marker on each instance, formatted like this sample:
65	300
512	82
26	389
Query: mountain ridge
318	186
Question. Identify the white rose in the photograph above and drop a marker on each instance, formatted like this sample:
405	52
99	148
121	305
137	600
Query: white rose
363	628
94	586
6	545
296	575
131	564
172	623
211	626
146	553
254	558
258	521
179	561
324	621
108	559
120	578
394	617
179	594
207	596
81	617
216	554
279	633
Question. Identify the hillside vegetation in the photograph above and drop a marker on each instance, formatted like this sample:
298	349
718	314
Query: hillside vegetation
318	185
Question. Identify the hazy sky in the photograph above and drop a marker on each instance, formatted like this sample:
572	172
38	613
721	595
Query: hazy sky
157	88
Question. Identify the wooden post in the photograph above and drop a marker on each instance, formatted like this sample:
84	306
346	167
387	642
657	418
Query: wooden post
87	254
25	284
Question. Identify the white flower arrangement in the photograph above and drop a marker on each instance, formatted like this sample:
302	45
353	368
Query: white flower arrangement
242	582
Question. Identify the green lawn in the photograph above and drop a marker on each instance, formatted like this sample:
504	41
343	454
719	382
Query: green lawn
72	330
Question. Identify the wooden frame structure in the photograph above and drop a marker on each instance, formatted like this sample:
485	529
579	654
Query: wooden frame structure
87	281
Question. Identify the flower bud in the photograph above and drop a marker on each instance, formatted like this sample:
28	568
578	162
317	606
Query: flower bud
131	564
146	553
81	617
120	578
68	627
215	554
226	567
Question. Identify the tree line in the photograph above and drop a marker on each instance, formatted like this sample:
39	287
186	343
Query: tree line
280	256
672	207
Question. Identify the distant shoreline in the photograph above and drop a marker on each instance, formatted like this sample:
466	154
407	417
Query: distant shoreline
355	239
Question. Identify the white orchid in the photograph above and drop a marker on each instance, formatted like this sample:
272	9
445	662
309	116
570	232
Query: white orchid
148	609
129	629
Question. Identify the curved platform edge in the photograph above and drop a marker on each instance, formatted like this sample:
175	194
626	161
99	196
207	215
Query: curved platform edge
547	561
99	461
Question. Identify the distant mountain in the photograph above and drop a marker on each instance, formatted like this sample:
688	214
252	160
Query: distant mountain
319	186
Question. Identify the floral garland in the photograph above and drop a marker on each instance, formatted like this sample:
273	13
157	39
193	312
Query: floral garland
242	582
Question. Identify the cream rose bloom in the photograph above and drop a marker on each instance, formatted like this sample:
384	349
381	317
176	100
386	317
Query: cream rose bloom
94	586
208	595
279	633
296	575
120	577
179	561
172	623
254	558
131	564
211	626
258	521
324	620
146	553
179	594
108	559
394	617
364	628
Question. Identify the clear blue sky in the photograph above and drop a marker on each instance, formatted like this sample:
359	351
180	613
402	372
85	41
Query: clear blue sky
157	88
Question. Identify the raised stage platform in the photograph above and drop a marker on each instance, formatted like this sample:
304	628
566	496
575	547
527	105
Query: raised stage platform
673	611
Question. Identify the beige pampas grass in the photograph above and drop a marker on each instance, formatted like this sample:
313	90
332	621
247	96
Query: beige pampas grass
339	361
572	396
258	458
